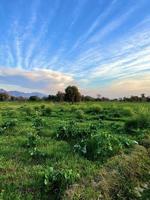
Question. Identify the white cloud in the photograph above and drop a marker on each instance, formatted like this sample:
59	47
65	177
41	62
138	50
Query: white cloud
38	79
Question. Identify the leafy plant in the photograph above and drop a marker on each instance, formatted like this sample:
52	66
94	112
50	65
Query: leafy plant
55	182
39	123
80	114
32	140
46	111
95	109
72	130
102	146
32	147
10	123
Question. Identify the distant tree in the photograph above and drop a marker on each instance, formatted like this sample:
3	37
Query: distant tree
21	98
72	94
98	96
87	98
34	98
60	96
51	97
142	96
4	97
13	98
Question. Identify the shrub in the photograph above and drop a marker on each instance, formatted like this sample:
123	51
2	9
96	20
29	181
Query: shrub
102	146
46	111
116	128
108	113
72	130
28	110
140	121
39	124
79	114
95	109
55	182
10	123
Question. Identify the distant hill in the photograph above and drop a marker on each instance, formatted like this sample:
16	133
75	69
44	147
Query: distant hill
23	94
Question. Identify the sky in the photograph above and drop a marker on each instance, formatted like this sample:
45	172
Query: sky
101	46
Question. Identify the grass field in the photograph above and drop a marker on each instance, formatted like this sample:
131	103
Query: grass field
85	151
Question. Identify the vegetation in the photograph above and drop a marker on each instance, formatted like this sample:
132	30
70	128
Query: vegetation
88	150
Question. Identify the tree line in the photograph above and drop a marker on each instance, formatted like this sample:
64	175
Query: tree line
73	95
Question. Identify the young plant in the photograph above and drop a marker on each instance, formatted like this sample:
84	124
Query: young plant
38	124
55	182
32	140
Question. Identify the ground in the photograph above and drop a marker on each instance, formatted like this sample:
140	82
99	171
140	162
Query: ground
93	150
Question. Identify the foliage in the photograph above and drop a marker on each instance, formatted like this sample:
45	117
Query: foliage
4	97
80	114
102	146
95	109
10	123
34	98
38	124
55	182
7	125
72	130
46	111
72	94
140	121
32	140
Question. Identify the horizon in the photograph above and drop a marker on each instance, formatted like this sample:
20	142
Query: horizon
101	46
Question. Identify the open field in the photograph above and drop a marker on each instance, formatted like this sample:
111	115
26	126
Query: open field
85	151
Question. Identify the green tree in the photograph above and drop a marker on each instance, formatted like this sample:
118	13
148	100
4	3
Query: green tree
34	98
4	97
72	94
60	96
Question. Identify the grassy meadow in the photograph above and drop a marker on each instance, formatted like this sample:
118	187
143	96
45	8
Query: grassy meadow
84	151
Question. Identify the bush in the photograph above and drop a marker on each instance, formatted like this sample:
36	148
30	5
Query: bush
10	123
39	123
140	121
55	182
80	114
72	130
102	146
28	110
46	111
95	109
108	113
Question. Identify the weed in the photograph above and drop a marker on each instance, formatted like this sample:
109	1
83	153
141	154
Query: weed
55	182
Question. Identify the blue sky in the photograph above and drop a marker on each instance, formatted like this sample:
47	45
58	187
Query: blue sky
102	46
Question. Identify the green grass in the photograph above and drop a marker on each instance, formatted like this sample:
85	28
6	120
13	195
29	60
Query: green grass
114	174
